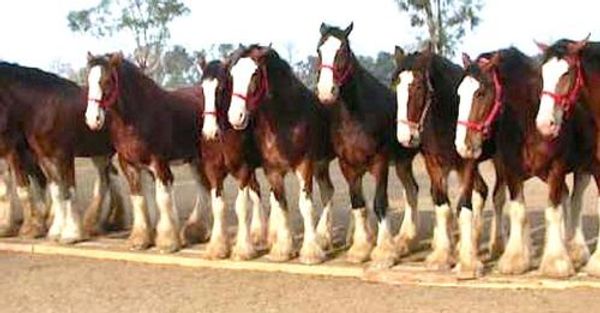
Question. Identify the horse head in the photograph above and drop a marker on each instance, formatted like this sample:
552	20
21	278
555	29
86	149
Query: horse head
335	60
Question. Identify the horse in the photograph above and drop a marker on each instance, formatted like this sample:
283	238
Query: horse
571	75
499	99
150	128
362	125
41	128
224	151
290	131
425	85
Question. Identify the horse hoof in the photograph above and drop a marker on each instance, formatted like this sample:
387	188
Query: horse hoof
70	240
325	242
439	260
243	253
93	231
469	270
168	245
593	265
384	256
514	263
196	232
404	245
7	231
311	253
32	231
359	253
139	240
217	249
496	248
557	266
258	237
281	253
578	253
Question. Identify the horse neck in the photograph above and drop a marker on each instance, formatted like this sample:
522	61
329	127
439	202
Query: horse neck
136	92
444	106
520	99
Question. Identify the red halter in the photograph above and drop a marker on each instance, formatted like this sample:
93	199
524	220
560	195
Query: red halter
484	127
106	102
253	100
567	100
340	78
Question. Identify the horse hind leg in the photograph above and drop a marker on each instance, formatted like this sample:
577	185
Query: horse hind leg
406	240
196	227
576	246
93	214
326	190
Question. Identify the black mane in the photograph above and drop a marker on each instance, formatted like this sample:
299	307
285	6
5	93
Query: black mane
14	73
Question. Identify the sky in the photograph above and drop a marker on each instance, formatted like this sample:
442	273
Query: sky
35	32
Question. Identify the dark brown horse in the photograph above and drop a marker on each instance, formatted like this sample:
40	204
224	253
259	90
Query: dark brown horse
47	112
571	73
290	131
425	85
362	127
499	99
224	151
150	128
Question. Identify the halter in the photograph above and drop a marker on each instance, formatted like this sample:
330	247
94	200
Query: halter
254	99
418	126
106	102
567	100
340	78
484	127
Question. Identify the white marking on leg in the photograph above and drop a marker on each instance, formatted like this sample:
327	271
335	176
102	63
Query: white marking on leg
311	251
6	218
219	228
243	246
441	256
57	209
516	259
555	260
408	228
548	118
241	74
282	247
467	251
139	212
403	132
210	128
593	265
258	227
478	202
72	230
325	84
167	228
94	115
466	92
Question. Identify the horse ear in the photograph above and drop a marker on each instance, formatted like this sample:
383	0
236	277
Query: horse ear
466	59
323	29
542	46
90	56
398	55
116	59
348	29
492	63
575	47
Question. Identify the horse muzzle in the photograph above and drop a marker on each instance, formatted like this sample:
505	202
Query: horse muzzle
548	127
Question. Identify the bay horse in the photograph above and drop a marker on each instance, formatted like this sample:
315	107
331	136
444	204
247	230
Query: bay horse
149	127
362	125
41	122
290	131
571	76
499	99
225	150
425	85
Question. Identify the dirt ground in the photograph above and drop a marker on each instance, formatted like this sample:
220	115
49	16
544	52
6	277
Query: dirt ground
60	284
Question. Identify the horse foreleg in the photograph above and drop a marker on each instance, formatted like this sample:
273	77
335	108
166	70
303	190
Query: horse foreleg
258	226
196	227
244	248
407	236
93	213
311	251
282	248
497	237
385	254
555	259
326	189
516	258
141	236
359	233
441	257
593	265
7	220
577	248
167	228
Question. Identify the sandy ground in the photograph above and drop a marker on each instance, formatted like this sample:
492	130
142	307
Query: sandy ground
59	284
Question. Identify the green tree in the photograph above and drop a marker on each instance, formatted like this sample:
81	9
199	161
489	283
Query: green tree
146	20
179	67
446	20
306	70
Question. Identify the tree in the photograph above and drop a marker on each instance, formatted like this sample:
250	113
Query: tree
446	20
306	71
146	20
180	67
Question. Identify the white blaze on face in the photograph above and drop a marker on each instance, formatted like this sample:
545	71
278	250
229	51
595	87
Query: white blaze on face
94	115
241	74
210	128
325	84
402	93
552	71
466	92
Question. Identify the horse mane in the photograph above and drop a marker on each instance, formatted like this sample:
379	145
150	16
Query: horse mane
590	54
12	72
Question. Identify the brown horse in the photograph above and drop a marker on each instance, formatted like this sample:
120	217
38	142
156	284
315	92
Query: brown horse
499	98
290	131
45	111
425	85
571	72
362	123
224	151
150	128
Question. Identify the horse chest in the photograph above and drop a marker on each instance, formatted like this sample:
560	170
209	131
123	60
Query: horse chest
352	143
128	144
283	147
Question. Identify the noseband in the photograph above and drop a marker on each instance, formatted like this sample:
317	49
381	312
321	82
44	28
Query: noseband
106	102
567	100
254	99
484	127
340	77
418	126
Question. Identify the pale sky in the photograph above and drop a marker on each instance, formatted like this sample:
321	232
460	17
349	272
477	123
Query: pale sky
35	32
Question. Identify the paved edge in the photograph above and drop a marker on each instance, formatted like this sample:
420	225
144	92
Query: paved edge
400	275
